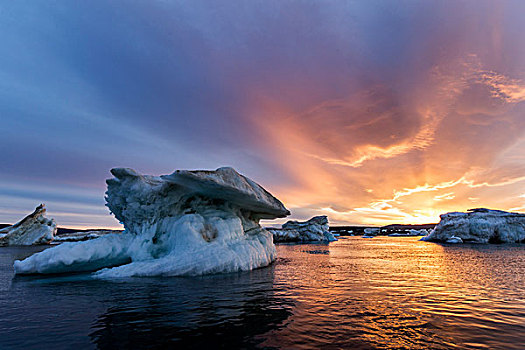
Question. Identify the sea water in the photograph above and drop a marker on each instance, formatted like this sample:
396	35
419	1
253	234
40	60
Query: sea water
380	293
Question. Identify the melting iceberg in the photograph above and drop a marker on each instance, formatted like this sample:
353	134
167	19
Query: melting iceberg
34	229
479	226
186	223
313	230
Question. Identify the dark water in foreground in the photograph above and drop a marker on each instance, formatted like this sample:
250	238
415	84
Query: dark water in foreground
380	293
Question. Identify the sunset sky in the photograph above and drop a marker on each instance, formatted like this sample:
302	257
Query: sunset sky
370	112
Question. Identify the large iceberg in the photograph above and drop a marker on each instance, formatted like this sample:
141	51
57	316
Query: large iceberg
34	229
479	226
314	230
186	223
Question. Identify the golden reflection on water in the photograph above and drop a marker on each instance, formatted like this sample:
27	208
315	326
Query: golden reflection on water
391	292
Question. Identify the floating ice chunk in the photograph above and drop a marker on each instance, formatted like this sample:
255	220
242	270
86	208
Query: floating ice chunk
454	239
421	232
313	230
34	229
81	235
480	226
372	231
410	233
186	223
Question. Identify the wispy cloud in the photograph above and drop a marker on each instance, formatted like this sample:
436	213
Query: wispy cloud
444	197
511	90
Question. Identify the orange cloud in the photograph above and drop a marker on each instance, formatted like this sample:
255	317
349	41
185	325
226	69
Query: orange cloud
378	158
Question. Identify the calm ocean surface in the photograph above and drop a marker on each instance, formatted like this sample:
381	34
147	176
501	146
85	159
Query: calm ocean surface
380	293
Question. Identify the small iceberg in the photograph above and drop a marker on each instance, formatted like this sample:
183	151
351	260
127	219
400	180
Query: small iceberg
314	230
34	229
454	239
186	223
371	232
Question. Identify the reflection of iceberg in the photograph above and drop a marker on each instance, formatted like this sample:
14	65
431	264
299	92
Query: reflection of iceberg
34	229
232	310
186	223
146	313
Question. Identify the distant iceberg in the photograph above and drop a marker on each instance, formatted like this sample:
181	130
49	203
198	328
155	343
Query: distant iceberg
186	223
34	229
479	226
410	233
82	235
371	232
314	230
